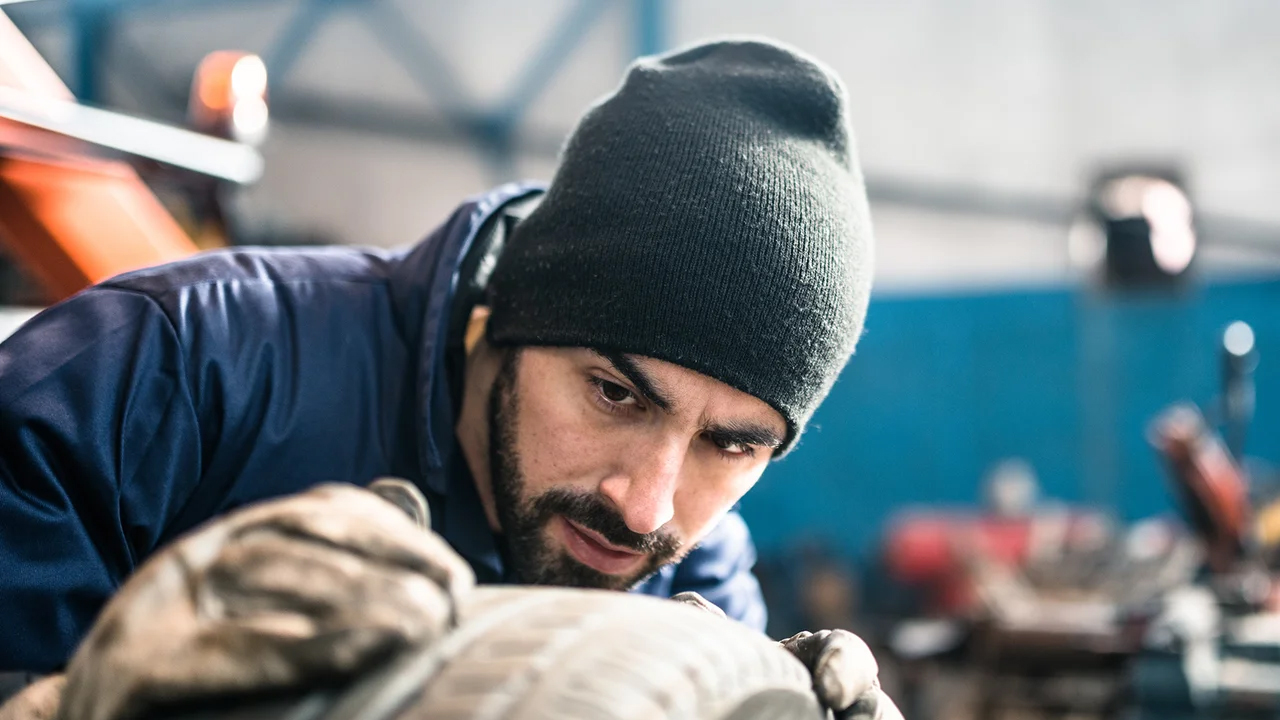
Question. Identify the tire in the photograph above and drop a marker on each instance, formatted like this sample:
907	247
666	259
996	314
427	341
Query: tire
559	654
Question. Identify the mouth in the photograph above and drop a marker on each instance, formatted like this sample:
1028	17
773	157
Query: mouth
591	549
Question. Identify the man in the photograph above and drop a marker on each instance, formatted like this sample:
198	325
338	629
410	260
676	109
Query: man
582	382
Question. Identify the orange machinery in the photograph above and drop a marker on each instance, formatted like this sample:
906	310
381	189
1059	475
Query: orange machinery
73	211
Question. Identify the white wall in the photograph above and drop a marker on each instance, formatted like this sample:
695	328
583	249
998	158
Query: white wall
1021	96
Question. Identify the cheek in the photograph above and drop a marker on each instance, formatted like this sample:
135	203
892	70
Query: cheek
557	443
708	495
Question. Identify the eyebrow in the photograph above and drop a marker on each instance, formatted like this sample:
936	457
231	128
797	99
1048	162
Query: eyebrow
645	384
744	434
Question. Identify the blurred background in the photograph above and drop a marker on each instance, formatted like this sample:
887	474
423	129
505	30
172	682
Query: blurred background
1076	230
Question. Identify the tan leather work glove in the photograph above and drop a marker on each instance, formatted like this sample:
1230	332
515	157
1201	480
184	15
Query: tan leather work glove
844	670
305	590
844	674
37	701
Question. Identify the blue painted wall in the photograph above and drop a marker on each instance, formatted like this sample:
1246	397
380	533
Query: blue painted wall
944	386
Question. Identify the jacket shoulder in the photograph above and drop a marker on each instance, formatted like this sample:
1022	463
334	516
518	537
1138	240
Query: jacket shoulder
254	266
720	569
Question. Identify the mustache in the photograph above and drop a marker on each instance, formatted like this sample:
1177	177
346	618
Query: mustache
593	513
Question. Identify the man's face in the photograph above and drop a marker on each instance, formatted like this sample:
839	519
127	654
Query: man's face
604	469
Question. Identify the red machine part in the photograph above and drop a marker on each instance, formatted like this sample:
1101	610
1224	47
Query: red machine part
937	551
928	551
71	219
1213	487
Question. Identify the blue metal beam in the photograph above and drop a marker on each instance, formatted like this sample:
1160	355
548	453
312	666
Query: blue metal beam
287	46
418	57
650	26
493	129
50	13
556	49
90	25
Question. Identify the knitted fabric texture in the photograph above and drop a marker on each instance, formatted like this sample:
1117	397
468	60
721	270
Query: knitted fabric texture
710	213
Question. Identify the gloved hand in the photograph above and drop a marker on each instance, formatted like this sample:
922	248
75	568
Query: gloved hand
310	589
696	600
844	674
37	701
844	670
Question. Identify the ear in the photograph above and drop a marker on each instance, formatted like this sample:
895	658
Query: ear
475	327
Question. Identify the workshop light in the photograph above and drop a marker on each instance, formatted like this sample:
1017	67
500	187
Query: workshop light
1144	226
229	97
1168	212
1238	339
249	78
249	121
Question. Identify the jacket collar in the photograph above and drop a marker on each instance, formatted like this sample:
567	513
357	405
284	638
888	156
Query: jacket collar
447	247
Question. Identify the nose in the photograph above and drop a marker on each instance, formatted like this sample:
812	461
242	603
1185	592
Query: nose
643	486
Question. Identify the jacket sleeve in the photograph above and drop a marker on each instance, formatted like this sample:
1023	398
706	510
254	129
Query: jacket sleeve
98	446
719	569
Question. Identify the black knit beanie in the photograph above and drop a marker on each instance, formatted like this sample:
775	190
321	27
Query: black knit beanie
710	213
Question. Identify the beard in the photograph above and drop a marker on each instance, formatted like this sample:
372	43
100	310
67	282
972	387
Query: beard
525	520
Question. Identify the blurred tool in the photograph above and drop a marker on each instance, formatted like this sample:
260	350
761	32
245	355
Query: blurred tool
1214	649
1211	486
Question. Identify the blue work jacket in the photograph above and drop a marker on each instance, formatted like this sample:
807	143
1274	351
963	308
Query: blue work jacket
145	405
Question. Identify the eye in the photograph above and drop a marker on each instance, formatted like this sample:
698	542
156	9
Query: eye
613	394
730	448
